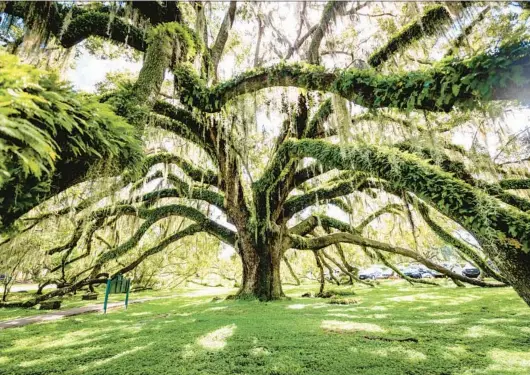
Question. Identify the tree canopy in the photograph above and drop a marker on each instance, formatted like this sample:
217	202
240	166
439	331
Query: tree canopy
269	140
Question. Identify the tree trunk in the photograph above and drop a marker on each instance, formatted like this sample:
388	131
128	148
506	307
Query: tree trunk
261	269
514	265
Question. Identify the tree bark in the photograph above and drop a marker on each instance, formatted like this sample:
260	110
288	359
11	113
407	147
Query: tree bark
261	268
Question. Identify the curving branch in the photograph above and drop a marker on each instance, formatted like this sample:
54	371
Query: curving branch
189	231
509	184
426	181
466	250
197	174
393	208
102	21
94	23
460	171
184	124
401	274
152	216
331	9
449	83
321	242
322	194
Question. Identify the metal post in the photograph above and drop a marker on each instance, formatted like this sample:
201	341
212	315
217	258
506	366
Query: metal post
127	295
107	290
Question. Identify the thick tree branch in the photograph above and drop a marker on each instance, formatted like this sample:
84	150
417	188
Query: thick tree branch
321	194
429	23
151	216
189	231
461	247
199	175
330	11
464	205
488	76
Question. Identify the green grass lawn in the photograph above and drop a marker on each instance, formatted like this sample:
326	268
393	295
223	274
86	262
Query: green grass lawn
71	302
393	329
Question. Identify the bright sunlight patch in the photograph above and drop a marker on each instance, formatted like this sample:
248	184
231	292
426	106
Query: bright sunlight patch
341	326
216	340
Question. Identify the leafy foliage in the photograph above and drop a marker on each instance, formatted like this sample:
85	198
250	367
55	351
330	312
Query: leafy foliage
51	137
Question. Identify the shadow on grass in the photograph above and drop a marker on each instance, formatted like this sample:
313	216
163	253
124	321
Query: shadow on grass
481	334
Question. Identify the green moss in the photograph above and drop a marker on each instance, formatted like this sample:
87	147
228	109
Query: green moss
515	184
472	208
499	74
151	216
427	25
322	194
95	23
199	175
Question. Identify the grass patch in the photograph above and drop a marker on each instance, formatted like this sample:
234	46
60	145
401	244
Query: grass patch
425	330
343	301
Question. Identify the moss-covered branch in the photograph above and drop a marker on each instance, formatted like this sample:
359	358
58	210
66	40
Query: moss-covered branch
495	75
197	174
392	208
460	171
342	237
184	124
189	231
151	216
94	23
429	23
458	200
508	184
71	24
466	250
321	194
504	228
183	190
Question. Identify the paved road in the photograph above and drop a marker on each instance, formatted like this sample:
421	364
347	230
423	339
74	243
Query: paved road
56	315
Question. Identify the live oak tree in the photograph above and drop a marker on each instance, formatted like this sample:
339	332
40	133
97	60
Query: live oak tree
322	154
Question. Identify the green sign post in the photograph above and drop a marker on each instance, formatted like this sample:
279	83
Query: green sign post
118	284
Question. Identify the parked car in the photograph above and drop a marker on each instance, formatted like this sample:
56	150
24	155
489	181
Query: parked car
412	272
386	273
428	273
370	273
470	271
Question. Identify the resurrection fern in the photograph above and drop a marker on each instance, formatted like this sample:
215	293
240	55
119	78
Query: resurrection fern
497	74
427	25
50	137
